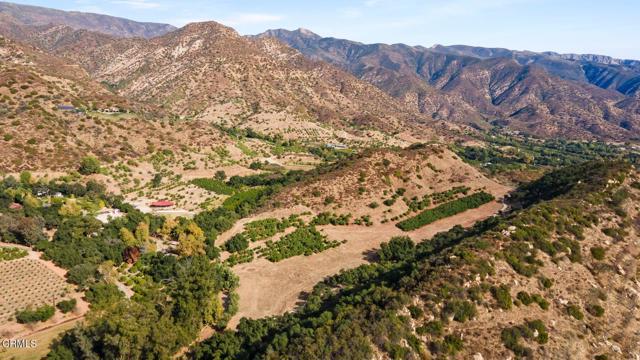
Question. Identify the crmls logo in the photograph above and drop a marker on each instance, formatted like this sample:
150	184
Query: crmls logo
18	343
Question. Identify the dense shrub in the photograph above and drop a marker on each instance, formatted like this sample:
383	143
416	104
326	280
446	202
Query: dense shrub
399	248
450	345
445	210
511	337
541	301
237	243
461	310
243	202
524	298
42	313
66	305
89	165
598	252
545	282
214	185
81	274
102	295
434	328
502	296
415	311
575	312
595	310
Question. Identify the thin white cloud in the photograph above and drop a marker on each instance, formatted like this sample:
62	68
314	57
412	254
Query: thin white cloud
138	4
251	18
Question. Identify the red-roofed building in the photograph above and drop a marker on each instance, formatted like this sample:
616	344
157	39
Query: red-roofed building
15	206
162	204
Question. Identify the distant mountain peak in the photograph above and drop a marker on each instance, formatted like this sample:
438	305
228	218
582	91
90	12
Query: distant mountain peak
299	32
208	28
307	32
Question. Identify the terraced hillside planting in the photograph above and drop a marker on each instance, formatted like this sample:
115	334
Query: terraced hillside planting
509	286
266	228
445	210
387	185
303	241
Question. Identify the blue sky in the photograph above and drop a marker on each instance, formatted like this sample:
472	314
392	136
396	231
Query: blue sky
583	26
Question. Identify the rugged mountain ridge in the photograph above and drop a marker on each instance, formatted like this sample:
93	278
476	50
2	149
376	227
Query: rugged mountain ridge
198	69
606	72
494	82
38	16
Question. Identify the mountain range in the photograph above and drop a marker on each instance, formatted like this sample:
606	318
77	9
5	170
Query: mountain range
548	94
208	71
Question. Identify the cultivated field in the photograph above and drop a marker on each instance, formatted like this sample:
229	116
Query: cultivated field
284	282
28	282
31	281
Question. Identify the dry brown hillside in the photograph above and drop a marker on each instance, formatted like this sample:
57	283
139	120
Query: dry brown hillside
38	16
51	116
384	184
207	70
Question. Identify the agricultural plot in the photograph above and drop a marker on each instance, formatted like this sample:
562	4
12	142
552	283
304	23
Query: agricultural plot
445	210
304	241
266	228
28	282
11	253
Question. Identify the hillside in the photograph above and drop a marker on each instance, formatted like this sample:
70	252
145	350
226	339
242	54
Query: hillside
553	280
252	80
38	16
54	114
501	87
394	181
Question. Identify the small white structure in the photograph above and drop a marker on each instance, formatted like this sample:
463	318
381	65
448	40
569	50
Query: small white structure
336	146
111	110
